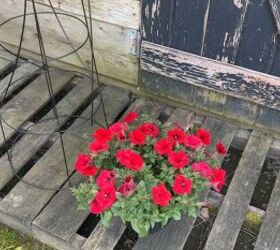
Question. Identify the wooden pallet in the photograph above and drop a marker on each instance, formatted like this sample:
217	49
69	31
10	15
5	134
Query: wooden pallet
52	217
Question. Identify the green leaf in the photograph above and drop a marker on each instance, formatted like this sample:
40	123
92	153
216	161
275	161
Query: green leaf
192	211
106	217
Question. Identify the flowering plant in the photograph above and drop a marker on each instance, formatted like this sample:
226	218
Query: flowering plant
146	173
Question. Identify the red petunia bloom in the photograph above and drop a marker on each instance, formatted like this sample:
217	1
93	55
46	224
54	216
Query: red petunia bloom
84	165
178	159
163	146
106	197
161	196
128	186
103	135
203	169
137	137
98	146
182	185
193	142
119	129
131	117
95	207
221	148
130	159
149	129
106	178
204	135
176	135
218	179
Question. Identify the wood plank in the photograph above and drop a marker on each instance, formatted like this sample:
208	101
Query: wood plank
268	237
118	63
64	223
258	43
275	7
22	74
124	13
175	233
224	28
225	78
20	108
29	144
49	171
231	214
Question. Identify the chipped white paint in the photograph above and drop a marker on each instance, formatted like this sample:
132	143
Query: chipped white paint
238	3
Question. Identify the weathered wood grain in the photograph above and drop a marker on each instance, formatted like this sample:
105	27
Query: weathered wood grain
275	7
29	144
258	44
224	28
227	79
175	233
20	108
49	171
111	42
124	13
235	205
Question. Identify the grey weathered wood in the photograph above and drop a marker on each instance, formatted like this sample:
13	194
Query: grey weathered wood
175	233
275	7
230	216
30	100
6	60
29	144
49	171
225	78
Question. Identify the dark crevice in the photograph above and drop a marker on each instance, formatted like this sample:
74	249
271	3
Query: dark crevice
128	240
6	71
88	226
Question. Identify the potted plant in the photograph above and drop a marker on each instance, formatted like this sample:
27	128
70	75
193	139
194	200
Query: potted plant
146	173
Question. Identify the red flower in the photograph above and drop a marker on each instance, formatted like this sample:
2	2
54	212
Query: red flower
192	142
128	186
161	196
95	207
182	185
130	159
218	179
203	169
176	135
106	197
118	129
84	165
137	137
221	148
163	146
131	117
103	135
98	146
178	159
204	135
149	129
106	178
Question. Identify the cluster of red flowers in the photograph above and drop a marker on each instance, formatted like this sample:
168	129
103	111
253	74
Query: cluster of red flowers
131	159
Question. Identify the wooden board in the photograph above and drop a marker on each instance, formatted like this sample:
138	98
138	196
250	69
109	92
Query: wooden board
31	200
275	7
225	78
30	100
29	144
175	233
112	43
124	13
235	205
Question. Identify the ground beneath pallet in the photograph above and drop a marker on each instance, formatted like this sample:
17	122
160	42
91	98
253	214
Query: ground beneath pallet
243	216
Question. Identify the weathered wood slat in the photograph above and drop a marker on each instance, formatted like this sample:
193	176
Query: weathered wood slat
29	144
225	78
22	74
118	63
275	7
49	171
124	13
30	100
224	27
235	205
175	233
